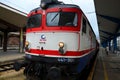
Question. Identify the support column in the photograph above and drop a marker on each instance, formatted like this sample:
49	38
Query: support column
115	43
1	40
104	44
109	45
21	40
5	41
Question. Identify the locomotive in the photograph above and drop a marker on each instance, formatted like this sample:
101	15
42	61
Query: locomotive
59	41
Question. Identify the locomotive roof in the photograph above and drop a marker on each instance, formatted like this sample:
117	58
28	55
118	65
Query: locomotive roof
58	5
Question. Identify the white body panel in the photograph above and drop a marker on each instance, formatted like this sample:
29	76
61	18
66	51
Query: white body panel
88	39
52	39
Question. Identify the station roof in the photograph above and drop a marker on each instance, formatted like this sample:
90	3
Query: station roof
108	16
11	19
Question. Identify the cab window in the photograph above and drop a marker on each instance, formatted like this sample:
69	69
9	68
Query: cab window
34	21
62	19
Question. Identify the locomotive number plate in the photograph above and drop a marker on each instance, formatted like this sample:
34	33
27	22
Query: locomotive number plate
65	60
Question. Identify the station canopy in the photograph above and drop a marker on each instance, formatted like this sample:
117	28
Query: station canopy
11	19
108	15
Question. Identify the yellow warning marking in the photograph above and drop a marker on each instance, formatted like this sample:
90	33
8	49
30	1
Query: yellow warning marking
90	77
105	72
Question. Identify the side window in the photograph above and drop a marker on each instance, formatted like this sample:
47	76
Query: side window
84	26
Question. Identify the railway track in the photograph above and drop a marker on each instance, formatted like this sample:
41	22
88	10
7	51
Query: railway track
8	65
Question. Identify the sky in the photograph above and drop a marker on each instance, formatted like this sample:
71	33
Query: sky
87	7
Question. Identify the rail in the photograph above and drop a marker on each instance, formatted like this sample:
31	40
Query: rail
8	65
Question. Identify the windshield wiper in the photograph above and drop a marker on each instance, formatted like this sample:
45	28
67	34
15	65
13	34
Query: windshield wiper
60	10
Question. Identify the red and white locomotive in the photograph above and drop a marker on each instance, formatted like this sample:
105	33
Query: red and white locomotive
59	39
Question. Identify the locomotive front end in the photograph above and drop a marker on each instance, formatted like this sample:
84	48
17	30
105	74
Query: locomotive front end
53	35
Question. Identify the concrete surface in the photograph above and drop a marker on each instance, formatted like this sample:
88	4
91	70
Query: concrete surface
10	55
108	66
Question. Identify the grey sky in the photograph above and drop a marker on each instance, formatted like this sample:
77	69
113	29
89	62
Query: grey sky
87	7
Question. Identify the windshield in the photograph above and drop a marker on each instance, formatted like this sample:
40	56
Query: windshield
62	19
34	21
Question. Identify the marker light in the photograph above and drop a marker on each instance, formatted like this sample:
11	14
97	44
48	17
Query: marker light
61	44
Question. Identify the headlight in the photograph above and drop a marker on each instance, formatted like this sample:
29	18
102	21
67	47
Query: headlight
62	49
26	43
27	47
61	44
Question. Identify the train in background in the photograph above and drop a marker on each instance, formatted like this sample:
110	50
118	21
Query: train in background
59	41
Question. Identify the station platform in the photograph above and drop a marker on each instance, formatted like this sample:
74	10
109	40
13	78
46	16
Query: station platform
107	66
10	55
